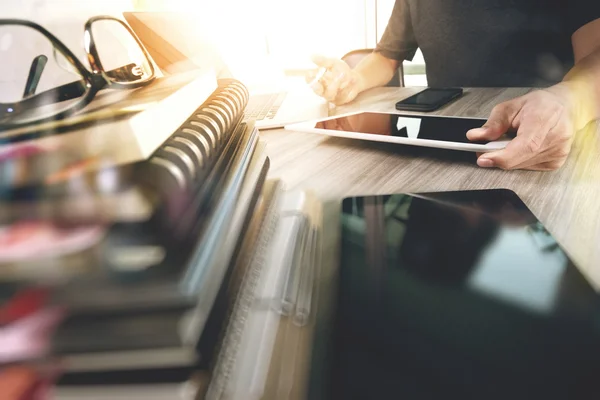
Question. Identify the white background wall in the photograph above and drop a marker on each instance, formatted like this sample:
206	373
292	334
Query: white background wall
291	30
19	46
284	32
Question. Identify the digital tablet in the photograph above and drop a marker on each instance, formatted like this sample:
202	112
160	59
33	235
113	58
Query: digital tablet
458	295
417	130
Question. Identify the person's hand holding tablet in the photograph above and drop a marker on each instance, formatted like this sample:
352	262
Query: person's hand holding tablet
545	131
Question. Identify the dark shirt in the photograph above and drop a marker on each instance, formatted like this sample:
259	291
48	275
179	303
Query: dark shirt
489	43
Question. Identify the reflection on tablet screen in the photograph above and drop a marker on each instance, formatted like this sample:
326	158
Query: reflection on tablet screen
441	296
414	127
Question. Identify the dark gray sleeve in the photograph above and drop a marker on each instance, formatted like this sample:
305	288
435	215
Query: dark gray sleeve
582	12
398	41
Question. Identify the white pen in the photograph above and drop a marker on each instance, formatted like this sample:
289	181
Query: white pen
318	77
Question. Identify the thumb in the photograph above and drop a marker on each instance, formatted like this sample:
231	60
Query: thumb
499	122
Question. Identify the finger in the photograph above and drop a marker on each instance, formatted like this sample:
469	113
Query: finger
310	76
343	96
322	86
346	96
500	121
318	88
322	61
529	143
512	155
508	158
347	90
345	83
314	83
332	87
531	163
517	156
331	81
550	158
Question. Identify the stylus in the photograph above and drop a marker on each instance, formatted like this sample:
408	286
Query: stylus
318	77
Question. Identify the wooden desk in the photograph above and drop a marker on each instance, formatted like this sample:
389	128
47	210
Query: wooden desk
567	201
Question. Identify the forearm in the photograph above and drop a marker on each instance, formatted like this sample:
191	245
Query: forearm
375	70
583	82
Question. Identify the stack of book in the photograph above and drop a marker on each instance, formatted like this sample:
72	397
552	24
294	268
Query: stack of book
122	241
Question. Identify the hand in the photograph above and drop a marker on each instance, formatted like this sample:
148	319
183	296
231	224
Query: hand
544	126
339	85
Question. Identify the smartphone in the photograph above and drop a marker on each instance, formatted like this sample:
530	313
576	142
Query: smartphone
429	99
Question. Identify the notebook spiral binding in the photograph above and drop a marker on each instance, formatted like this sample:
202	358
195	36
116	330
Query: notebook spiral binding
186	158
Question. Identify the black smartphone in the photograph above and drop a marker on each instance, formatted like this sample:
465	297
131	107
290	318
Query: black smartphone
429	99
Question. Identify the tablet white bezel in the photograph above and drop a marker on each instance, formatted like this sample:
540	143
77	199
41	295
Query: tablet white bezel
309	126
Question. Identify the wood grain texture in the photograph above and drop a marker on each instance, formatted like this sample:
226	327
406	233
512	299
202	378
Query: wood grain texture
567	201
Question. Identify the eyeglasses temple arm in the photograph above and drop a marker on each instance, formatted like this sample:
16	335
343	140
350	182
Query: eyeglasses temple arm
35	73
61	93
65	92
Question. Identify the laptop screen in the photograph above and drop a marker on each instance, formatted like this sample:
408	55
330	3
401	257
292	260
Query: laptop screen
172	40
458	295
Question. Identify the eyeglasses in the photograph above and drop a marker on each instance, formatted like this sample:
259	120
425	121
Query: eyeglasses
42	80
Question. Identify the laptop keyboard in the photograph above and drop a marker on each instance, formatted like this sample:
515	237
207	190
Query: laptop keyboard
264	106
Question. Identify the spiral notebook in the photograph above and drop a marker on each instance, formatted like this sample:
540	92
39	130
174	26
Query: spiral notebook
188	191
272	321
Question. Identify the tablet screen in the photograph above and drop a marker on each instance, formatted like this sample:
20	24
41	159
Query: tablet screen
441	295
447	129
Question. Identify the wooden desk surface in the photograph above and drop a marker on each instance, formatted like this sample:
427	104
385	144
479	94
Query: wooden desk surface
567	201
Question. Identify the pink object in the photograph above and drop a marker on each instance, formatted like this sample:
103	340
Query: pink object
19	150
29	337
29	240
